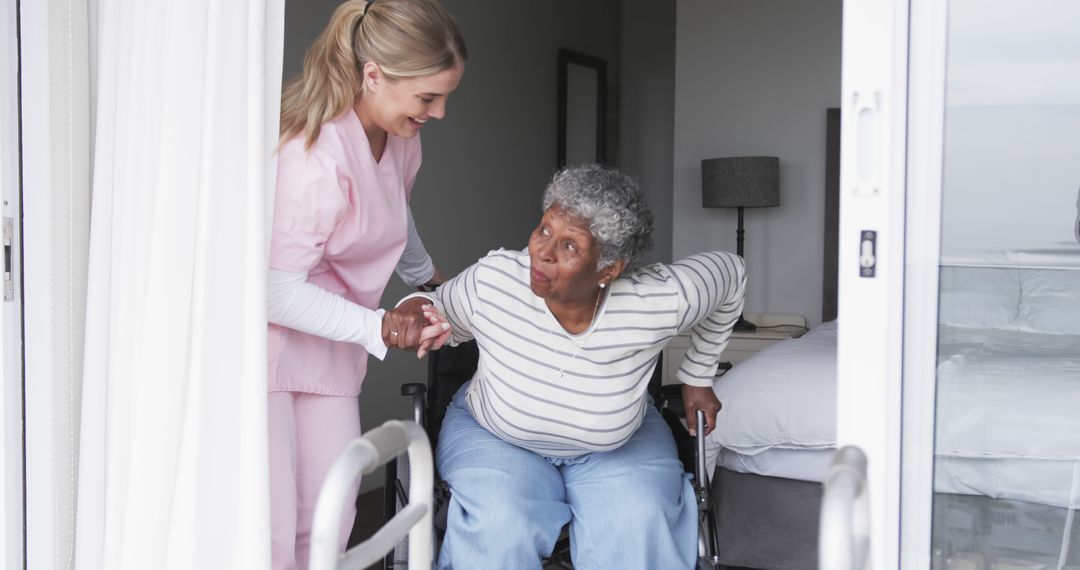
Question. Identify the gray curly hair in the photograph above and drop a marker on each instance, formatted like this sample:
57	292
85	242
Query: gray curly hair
612	206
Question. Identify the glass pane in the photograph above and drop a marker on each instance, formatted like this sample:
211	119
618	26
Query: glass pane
1007	451
581	119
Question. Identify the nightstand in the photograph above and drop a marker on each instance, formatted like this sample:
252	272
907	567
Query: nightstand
771	329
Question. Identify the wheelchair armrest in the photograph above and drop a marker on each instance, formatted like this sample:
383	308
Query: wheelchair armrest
418	392
413	388
671	392
671	400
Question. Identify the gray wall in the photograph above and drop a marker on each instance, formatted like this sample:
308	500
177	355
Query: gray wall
647	109
755	78
486	164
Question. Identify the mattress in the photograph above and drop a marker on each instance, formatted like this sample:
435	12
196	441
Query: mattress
1007	427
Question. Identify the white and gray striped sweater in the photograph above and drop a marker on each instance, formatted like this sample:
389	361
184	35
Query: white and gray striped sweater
564	395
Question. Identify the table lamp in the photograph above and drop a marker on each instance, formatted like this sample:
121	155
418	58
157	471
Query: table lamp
740	182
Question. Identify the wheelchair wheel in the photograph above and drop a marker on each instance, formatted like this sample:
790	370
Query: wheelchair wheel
707	554
400	481
703	545
398	559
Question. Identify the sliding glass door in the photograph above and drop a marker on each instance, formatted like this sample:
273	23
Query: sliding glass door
1006	362
960	350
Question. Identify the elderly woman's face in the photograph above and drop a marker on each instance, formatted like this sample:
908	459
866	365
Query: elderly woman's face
563	255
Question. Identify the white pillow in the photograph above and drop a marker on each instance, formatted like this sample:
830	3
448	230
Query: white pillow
782	396
1050	301
979	297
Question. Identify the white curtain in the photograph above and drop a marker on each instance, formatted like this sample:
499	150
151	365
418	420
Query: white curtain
173	459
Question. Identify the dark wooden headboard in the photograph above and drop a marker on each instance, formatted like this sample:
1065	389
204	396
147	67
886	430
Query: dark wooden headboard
832	215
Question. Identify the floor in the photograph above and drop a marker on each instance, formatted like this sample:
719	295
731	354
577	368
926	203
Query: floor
369	517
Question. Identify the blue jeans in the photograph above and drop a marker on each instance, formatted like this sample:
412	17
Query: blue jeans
632	507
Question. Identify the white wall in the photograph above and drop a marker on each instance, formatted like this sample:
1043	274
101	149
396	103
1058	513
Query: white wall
1011	182
486	163
1012	154
755	77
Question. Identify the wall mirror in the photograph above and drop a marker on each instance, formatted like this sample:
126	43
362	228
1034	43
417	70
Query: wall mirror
582	109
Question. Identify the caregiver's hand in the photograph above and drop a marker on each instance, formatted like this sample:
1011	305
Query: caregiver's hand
415	326
700	398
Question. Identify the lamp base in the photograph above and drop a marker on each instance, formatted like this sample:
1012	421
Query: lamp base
744	325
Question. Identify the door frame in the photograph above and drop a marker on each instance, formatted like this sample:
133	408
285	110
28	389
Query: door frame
871	303
55	181
12	507
35	140
925	155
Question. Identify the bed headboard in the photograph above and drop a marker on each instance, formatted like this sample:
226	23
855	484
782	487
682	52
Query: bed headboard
830	267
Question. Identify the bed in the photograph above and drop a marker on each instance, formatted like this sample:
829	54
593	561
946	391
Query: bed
1007	465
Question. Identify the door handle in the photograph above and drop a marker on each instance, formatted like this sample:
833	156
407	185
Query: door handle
844	533
9	239
867	115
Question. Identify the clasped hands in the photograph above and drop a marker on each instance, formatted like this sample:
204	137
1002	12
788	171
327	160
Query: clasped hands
415	325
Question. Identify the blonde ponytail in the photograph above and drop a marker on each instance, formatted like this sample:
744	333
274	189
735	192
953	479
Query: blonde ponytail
407	38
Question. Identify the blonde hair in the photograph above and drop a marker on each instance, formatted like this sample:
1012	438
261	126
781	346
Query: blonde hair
406	38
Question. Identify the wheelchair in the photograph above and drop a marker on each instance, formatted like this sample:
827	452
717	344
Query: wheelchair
451	367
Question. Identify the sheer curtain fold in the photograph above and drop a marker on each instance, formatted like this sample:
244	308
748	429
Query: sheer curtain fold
173	461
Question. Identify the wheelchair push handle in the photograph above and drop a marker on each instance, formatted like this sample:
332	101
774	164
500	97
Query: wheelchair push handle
362	456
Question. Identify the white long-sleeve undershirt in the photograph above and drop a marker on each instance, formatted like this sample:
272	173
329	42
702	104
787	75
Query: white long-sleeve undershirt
293	302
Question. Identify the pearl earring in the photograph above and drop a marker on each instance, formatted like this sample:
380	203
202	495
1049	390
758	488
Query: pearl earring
602	284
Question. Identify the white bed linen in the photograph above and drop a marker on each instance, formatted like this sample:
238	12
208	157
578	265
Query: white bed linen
1004	393
1009	402
999	478
799	464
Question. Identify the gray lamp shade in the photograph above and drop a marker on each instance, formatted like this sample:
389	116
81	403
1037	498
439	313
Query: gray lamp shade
740	181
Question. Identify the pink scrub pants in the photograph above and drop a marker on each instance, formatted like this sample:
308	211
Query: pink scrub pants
307	433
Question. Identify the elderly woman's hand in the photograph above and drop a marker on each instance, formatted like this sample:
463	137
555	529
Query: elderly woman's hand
415	325
700	398
437	320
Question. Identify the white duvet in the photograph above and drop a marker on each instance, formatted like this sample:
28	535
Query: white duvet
1008	393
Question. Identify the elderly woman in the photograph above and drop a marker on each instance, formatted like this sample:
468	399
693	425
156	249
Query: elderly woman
556	426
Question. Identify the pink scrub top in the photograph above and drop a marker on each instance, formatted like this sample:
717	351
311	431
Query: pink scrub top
343	218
